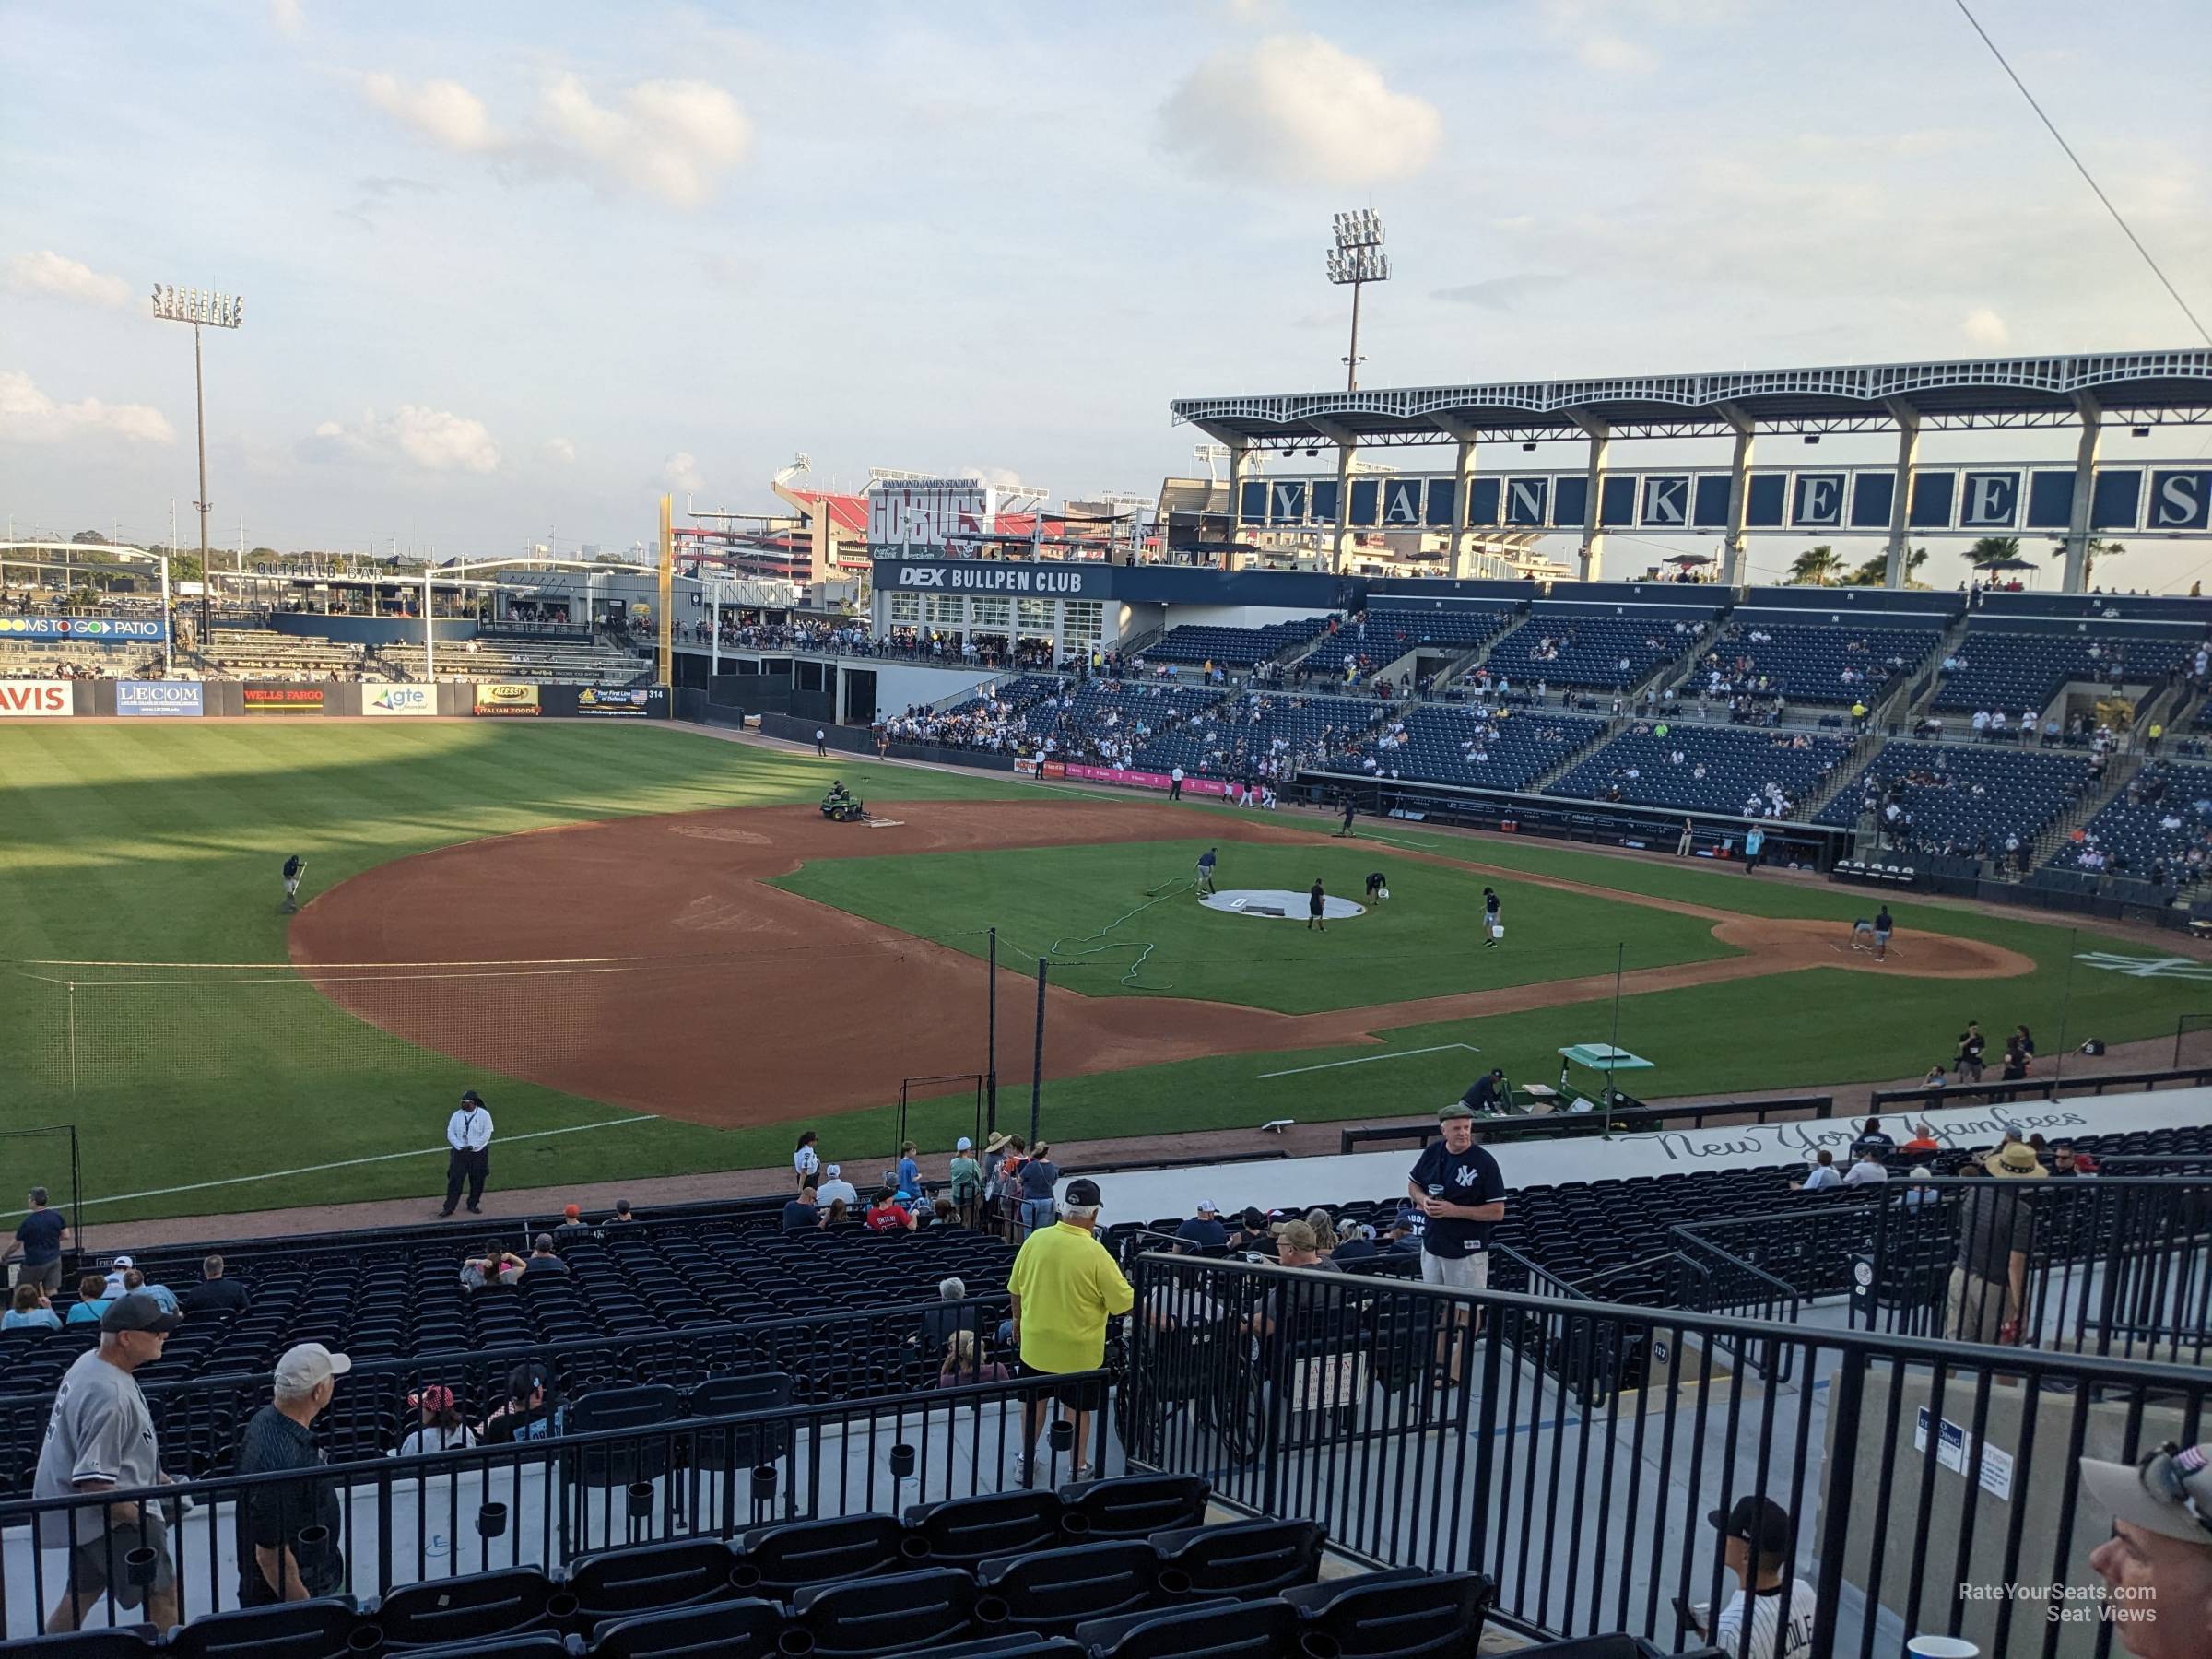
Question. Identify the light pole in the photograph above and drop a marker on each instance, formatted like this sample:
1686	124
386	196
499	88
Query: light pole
1357	259
203	307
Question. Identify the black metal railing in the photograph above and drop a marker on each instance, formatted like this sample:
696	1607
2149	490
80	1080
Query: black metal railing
1997	1093
1931	1487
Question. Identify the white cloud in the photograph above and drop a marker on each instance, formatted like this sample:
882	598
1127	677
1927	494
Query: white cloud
562	450
28	414
445	111
434	440
290	21
1500	293
1985	327
47	272
1297	110
673	139
1612	54
680	471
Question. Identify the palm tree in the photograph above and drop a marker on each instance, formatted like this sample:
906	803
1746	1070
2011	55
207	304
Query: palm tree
1876	570
2096	551
1992	548
1816	565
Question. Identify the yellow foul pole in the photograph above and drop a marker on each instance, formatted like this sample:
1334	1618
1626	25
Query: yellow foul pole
666	672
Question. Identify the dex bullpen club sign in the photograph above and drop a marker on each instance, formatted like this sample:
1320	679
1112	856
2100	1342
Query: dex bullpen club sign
504	698
160	698
283	700
34	699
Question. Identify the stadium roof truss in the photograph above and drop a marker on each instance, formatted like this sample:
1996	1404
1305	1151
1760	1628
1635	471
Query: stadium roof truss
2121	388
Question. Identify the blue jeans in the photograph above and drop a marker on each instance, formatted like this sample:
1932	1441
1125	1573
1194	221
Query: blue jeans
1036	1213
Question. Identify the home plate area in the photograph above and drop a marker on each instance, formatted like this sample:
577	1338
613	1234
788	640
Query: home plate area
1279	904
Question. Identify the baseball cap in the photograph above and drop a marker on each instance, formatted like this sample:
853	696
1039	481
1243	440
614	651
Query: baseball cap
436	1398
469	1097
1758	1522
963	1144
572	1211
1458	1109
305	1365
123	1261
1205	1208
1082	1192
1298	1235
2015	1160
2170	1492
833	1172
527	1378
139	1312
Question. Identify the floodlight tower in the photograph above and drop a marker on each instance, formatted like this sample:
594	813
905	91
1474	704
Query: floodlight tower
1357	259
203	307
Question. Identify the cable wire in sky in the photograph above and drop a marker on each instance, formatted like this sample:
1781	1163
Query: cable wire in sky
2125	228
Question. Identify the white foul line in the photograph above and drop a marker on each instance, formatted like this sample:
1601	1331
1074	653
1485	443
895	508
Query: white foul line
201	1186
1369	1059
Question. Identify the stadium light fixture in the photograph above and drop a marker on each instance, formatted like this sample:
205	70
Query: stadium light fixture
1356	260
203	307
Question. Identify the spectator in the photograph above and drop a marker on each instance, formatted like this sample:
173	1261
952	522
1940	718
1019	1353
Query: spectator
532	1410
1324	1230
1821	1176
1296	1245
40	1236
2061	1160
1920	1186
543	1257
803	1214
1403	1236
622	1212
967	1177
1996	1227
2157	1563
2016	1062
1924	1138
91	1300
1778	1618
1968	1062
806	1163
1871	1135
287	1530
1356	1244
1038	1177
887	1215
440	1428
101	1438
1251	1233
571	1219
1064	1287
133	1280
1867	1168
1937	1078
116	1269
910	1170
939	1322
214	1293
1458	1186
836	1189
839	1213
495	1266
963	1363
29	1310
1203	1231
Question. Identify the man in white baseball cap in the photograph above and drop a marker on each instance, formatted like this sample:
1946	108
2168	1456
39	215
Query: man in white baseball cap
288	1546
2157	1563
1204	1230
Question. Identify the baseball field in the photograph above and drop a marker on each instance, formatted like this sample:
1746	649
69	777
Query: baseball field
652	956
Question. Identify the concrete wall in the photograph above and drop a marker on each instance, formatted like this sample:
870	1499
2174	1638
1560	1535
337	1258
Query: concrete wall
899	684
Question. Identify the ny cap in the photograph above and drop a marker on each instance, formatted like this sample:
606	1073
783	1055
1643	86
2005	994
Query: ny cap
307	1364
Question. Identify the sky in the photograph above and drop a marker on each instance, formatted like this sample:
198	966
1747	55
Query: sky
510	271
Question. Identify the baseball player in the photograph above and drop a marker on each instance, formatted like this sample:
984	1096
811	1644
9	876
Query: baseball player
1206	871
1493	921
294	868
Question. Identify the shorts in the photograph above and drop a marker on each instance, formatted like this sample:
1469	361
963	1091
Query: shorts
291	888
47	1275
1457	1273
90	1562
1881	936
1084	1394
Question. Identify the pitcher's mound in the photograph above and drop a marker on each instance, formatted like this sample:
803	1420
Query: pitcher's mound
1279	904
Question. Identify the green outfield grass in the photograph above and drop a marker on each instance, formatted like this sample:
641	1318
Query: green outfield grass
1124	921
161	842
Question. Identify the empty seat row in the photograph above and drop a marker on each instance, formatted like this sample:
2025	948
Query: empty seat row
1233	647
1608	651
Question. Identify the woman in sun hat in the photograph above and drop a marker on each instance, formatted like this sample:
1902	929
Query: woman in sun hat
1996	1231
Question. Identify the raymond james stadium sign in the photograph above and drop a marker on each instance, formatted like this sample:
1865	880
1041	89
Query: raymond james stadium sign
1065	580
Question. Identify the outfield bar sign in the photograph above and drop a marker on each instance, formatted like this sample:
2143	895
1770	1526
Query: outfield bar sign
159	699
506	697
642	702
109	630
399	700
283	700
34	699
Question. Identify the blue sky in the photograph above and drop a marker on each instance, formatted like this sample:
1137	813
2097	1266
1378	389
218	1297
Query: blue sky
512	270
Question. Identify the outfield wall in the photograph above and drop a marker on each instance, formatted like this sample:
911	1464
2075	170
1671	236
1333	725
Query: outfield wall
1300	1183
28	700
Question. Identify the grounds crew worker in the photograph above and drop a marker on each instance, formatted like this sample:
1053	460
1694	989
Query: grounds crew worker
468	1133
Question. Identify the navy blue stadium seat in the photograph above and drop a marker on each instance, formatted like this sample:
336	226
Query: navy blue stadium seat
646	1405
1222	1630
1232	647
1399	1614
1135	1506
320	1628
923	1609
1480	747
1243	1558
543	1644
120	1642
1586	647
645	1578
1056	1590
964	1531
778	1560
1723	769
731	1629
475	1607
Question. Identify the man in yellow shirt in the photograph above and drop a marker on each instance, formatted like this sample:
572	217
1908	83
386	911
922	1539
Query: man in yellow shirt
1064	1287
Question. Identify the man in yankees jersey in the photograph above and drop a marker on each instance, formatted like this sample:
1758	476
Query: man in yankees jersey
1460	1188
